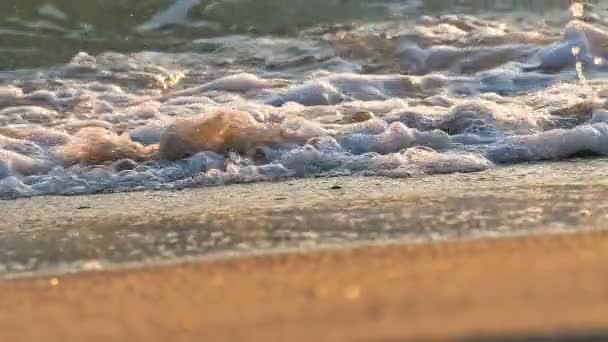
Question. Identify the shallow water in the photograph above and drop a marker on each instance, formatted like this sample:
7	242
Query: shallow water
159	95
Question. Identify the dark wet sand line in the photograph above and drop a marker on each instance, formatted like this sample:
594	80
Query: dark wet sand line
391	293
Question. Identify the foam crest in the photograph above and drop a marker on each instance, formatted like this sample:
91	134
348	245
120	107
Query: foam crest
94	145
396	137
553	145
477	116
221	131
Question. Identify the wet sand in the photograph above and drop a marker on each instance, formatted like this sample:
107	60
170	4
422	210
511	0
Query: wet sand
53	235
390	293
504	252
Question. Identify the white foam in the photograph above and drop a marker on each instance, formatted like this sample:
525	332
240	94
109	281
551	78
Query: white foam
152	120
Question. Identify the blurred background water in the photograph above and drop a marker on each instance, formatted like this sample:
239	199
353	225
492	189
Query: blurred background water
44	32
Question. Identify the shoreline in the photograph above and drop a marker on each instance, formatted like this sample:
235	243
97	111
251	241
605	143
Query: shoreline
55	235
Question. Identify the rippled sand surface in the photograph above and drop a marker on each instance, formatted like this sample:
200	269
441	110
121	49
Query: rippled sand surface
401	96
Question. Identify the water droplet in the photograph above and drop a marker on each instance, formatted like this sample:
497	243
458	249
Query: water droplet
576	50
577	9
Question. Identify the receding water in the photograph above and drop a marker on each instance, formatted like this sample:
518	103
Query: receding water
111	96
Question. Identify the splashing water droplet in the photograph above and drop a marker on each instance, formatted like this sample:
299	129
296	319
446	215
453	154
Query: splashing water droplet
579	72
598	61
577	9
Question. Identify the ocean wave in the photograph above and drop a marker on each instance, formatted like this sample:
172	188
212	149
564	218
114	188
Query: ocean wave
436	95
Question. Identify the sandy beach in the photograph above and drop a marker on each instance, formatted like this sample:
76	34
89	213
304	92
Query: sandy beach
393	293
505	252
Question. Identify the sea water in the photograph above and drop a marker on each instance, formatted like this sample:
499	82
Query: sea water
143	95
